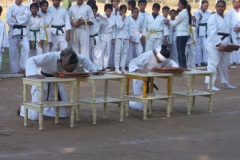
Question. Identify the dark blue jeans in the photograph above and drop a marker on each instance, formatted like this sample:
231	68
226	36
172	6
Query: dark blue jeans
181	45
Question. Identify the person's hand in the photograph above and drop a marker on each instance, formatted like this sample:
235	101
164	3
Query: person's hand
50	44
40	43
167	22
37	76
68	35
113	41
14	17
123	17
143	40
200	16
221	47
142	71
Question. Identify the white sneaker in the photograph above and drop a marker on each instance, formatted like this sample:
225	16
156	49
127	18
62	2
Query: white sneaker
124	71
118	71
213	88
228	86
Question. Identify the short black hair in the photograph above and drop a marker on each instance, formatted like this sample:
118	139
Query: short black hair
221	1
123	6
134	9
204	1
43	2
94	7
132	3
91	2
156	5
34	5
165	8
1	9
142	1
108	6
173	10
117	0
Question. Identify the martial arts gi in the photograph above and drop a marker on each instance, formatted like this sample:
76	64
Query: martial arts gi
235	22
143	16
47	19
35	34
123	34
3	40
59	25
191	48
18	35
201	35
107	34
219	30
48	64
146	61
172	39
80	35
95	45
154	31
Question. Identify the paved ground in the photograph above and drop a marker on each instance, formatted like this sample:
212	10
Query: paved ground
201	136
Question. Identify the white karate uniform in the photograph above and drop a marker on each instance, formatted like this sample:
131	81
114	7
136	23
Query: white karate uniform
201	36
80	38
107	34
3	40
22	15
172	40
48	64
235	22
146	61
143	16
113	12
190	50
217	24
95	45
60	17
154	40
35	24
123	34
47	19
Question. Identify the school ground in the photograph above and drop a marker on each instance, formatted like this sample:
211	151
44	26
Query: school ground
201	136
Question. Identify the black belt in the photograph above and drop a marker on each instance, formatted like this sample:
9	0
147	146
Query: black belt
154	85
224	35
19	27
50	75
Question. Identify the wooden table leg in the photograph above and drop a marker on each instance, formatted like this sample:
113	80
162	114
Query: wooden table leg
127	86
127	108
150	107
193	102
76	99
94	90
56	115
145	88
150	91
193	82
77	112
94	114
121	111
72	116
145	110
210	103
105	96
169	103
189	105
169	85
41	119
188	84
25	116
105	111
210	82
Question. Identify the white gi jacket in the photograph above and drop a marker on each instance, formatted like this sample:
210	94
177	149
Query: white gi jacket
136	29
235	22
123	27
47	20
37	26
182	23
201	26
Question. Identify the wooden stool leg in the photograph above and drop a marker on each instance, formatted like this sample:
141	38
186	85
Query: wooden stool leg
189	105
41	119
25	116
56	115
169	102
121	111
105	111
150	107
210	103
77	113
127	108
193	102
72	116
94	114
145	110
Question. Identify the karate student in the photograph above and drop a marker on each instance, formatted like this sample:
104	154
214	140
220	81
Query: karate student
95	45
50	63
219	29
60	26
131	5
3	38
123	37
35	31
234	14
115	11
154	30
165	12
107	33
47	19
201	16
81	17
142	4
173	37
34	1
157	58
17	18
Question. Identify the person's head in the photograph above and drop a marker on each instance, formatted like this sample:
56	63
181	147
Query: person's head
162	53
115	3
43	5
94	9
236	3
142	4
204	5
56	3
69	59
108	9
90	2
135	12
131	4
182	4
18	2
156	8
34	8
36	1
123	9
165	11
79	2
173	13
220	7
1	10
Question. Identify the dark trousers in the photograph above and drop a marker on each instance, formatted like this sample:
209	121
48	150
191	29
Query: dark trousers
181	45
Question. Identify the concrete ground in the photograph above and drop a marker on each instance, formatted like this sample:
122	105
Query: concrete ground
201	136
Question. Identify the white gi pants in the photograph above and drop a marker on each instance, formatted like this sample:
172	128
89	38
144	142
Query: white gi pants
59	40
201	53
50	111
153	43
137	90
0	59
217	58
15	64
106	45
96	52
81	45
37	51
173	49
121	51
190	52
45	48
235	55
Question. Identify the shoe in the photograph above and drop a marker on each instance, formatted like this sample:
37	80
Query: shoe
228	86
118	71
124	71
213	88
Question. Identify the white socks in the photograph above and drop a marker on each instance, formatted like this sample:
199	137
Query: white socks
213	88
118	71
228	86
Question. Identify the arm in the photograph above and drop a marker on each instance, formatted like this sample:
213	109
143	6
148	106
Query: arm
179	19
165	29
119	22
144	31
90	16
212	31
68	25
4	39
22	19
10	20
139	63
86	63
